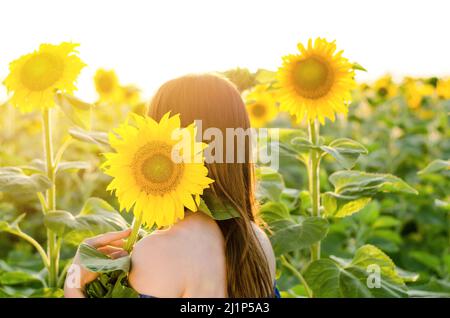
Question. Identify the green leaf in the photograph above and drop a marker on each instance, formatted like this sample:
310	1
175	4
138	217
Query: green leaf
77	111
98	262
345	151
354	190
339	206
368	254
12	227
48	293
13	180
36	166
302	144
17	278
290	236
96	217
427	259
215	208
406	276
358	182
93	137
386	221
274	211
435	166
270	184
433	289
328	278
357	66
292	143
72	166
111	285
263	76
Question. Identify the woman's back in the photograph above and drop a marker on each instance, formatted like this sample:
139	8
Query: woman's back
187	260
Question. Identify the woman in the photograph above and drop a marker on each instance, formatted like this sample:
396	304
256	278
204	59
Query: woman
198	256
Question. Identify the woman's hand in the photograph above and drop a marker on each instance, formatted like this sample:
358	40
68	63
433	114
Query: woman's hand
78	276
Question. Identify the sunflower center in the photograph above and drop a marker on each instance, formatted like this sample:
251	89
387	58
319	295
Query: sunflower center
41	71
258	110
154	169
158	168
313	77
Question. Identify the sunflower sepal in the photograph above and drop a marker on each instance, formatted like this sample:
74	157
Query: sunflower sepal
358	67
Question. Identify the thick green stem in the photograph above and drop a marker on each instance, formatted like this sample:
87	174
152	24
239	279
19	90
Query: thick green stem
314	180
52	244
137	221
296	273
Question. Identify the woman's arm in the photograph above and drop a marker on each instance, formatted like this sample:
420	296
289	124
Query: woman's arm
110	244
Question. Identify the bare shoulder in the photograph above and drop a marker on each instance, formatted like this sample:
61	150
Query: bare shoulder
155	265
267	248
164	262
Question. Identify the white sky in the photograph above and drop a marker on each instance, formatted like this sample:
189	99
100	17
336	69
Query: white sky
148	42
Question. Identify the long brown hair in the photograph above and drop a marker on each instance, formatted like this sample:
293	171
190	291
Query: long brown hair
217	102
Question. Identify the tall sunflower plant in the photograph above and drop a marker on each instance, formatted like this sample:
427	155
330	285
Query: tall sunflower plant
44	81
314	85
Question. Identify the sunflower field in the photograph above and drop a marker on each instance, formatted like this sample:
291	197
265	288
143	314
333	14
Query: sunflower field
359	207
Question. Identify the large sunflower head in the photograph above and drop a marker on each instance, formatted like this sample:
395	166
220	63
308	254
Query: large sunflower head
147	179
34	78
317	82
107	85
261	107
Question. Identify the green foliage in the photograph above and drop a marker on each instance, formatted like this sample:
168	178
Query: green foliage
111	285
270	185
113	279
345	151
13	180
289	235
393	207
77	111
353	190
96	217
98	262
330	278
436	166
217	209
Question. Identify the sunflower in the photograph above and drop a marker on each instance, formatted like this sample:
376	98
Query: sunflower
261	107
385	87
415	91
317	82
443	88
130	95
146	179
107	85
34	78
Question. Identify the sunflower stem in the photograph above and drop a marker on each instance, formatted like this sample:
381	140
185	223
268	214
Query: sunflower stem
297	274
314	180
52	243
33	242
134	233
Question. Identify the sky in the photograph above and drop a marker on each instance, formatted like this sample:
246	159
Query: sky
149	42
